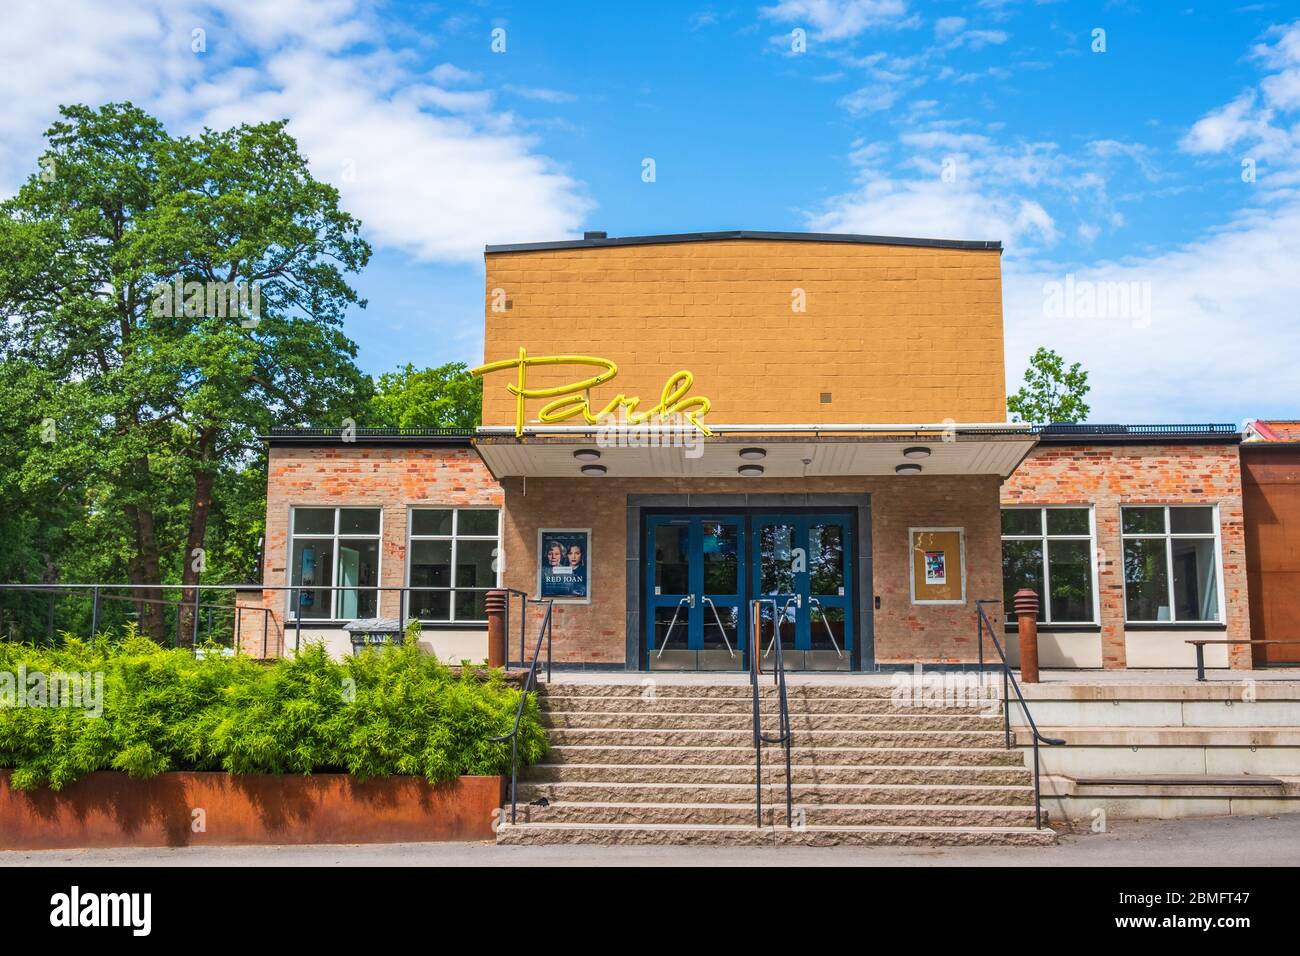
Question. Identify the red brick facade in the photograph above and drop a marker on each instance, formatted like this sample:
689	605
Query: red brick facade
394	478
397	478
904	632
1109	476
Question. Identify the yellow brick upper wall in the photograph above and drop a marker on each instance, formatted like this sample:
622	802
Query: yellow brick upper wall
893	333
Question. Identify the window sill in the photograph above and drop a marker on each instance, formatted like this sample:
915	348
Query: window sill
1175	626
1059	628
338	623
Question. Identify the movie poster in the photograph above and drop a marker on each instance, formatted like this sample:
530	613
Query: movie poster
936	568
565	573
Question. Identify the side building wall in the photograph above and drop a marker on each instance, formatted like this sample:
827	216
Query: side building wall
392	478
1108	477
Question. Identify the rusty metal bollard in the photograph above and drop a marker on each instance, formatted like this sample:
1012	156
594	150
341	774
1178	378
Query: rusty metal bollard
1026	604
496	628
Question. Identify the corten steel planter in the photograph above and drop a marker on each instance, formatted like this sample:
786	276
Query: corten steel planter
110	809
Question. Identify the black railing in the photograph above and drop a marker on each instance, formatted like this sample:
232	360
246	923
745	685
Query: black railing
783	725
524	601
1010	683
208	620
373	601
530	683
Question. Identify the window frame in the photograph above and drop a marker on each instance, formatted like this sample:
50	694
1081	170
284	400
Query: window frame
292	606
498	555
1168	537
1044	538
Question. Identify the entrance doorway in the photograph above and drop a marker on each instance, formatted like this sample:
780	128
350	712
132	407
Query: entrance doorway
702	569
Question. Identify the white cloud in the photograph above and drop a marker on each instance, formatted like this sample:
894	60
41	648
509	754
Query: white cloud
1254	119
540	94
839	19
932	209
945	27
434	172
448	74
870	99
1219	342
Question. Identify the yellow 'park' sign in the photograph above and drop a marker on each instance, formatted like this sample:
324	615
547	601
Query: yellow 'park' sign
573	399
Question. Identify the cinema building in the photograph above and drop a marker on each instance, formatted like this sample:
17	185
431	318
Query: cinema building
674	426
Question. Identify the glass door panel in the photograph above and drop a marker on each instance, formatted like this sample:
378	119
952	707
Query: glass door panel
804	564
696	593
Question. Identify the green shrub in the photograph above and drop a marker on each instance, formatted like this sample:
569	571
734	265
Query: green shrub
394	710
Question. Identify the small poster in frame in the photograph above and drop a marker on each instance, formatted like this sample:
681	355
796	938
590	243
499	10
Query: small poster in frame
564	565
937	565
935	568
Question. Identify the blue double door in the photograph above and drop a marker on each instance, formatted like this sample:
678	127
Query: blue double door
703	569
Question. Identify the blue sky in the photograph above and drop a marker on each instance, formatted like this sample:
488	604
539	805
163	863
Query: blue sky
1000	119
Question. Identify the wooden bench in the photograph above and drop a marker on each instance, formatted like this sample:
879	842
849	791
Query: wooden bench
1200	651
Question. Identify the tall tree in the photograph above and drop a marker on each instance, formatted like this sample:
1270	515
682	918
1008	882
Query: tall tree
169	298
443	397
1051	392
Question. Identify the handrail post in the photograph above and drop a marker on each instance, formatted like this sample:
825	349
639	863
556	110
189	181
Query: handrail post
1038	791
94	613
755	648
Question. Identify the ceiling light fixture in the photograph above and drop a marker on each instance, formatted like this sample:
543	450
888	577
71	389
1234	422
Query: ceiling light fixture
753	454
916	451
750	471
908	469
586	454
594	469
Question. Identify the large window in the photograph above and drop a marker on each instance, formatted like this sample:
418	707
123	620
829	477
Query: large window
1050	550
1171	566
335	547
453	562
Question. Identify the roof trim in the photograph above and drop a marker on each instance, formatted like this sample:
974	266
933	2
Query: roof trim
1088	434
371	437
991	245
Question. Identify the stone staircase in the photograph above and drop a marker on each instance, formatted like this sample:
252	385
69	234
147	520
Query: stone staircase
674	764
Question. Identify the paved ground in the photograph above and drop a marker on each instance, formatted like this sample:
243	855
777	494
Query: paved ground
1222	841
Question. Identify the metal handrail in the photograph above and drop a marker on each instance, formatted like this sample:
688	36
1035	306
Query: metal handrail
778	676
1009	681
530	682
512	593
100	593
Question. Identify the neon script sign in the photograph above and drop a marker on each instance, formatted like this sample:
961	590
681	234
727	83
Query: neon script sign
573	399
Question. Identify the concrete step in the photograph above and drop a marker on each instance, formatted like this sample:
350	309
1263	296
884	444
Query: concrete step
565	703
742	814
773	794
810	738
933	720
660	689
773	771
609	834
800	756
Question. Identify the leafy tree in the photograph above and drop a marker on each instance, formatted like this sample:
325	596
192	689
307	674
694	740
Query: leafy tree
443	397
138	399
1051	392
